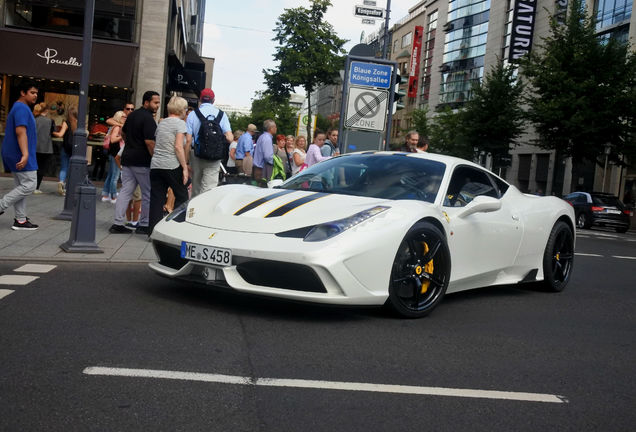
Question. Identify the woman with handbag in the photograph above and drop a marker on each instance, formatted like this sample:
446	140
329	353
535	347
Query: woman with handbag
113	141
66	132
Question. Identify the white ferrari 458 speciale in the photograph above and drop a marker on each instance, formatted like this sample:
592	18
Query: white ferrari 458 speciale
367	229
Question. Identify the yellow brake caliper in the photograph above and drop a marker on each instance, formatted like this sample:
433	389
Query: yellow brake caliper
428	268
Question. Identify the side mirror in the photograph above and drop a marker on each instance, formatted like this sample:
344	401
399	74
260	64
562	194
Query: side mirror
481	204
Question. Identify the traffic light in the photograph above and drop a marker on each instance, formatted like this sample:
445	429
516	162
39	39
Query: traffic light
399	94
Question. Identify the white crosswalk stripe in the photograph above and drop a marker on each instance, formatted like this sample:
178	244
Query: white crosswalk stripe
35	268
5	292
17	279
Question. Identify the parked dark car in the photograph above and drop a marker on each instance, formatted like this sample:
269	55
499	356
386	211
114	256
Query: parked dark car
600	209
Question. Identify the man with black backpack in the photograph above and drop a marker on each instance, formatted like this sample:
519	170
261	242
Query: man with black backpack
209	135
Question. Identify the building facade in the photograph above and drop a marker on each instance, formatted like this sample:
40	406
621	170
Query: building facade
138	45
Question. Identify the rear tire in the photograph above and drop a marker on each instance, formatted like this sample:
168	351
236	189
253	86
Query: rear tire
421	271
582	221
558	257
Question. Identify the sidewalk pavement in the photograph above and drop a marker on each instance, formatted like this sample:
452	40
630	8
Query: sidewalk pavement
44	243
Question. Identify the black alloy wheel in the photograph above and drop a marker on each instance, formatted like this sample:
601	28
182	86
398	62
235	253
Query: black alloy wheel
558	258
421	271
581	221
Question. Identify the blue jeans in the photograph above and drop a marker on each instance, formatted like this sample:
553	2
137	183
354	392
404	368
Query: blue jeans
110	184
64	158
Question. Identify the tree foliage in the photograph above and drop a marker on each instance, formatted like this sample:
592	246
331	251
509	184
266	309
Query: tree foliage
492	119
582	90
420	122
265	106
309	52
446	135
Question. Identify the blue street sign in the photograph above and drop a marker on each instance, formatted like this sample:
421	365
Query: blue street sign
370	74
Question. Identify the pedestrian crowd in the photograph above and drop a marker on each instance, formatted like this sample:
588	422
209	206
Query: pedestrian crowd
159	163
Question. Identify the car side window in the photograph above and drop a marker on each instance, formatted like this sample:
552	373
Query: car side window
501	186
466	183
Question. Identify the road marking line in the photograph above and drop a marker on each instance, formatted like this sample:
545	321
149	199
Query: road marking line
327	385
586	254
5	292
16	280
35	268
624	257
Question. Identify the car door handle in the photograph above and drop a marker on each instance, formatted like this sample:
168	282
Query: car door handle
515	217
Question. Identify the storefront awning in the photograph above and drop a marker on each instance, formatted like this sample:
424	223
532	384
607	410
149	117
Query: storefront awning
60	57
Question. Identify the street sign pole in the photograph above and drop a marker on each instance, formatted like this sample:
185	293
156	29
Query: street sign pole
368	84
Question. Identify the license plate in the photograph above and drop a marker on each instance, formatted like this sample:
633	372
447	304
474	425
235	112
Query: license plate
206	254
612	211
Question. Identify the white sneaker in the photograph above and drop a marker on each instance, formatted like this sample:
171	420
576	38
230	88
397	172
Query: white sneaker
105	199
114	200
37	192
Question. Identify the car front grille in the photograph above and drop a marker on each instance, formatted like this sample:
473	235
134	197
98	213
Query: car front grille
276	274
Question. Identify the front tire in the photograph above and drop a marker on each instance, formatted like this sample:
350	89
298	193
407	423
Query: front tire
558	257
420	272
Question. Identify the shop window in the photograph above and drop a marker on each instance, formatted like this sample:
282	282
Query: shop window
114	19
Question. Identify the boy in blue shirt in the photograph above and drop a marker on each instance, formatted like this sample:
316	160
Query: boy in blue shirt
18	155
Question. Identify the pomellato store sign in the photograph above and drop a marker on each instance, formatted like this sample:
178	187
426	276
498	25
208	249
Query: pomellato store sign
50	55
60	58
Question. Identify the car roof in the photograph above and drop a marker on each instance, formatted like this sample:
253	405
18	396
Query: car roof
603	194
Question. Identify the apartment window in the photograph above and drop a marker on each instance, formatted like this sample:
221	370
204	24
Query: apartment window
406	39
610	12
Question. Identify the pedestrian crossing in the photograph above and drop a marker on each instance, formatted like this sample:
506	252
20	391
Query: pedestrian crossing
23	277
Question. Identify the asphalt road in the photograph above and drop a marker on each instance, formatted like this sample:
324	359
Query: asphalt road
578	344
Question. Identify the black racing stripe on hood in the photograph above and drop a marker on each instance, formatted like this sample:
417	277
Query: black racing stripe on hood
286	208
261	201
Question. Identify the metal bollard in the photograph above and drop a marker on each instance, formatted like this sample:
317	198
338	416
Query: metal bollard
82	236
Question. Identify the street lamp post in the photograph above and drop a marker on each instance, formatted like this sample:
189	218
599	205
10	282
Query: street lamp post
385	48
608	149
80	200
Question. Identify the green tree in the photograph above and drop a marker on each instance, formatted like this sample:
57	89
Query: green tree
309	52
581	90
323	123
266	106
492	120
421	122
446	135
239	121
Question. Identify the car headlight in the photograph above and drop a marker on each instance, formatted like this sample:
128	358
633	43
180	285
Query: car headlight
330	229
178	214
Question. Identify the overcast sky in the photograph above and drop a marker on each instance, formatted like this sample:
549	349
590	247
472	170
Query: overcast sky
237	34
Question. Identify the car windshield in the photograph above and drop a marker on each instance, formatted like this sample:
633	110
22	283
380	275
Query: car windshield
607	201
373	175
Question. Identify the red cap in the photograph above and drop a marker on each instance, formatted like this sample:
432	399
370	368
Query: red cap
207	95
